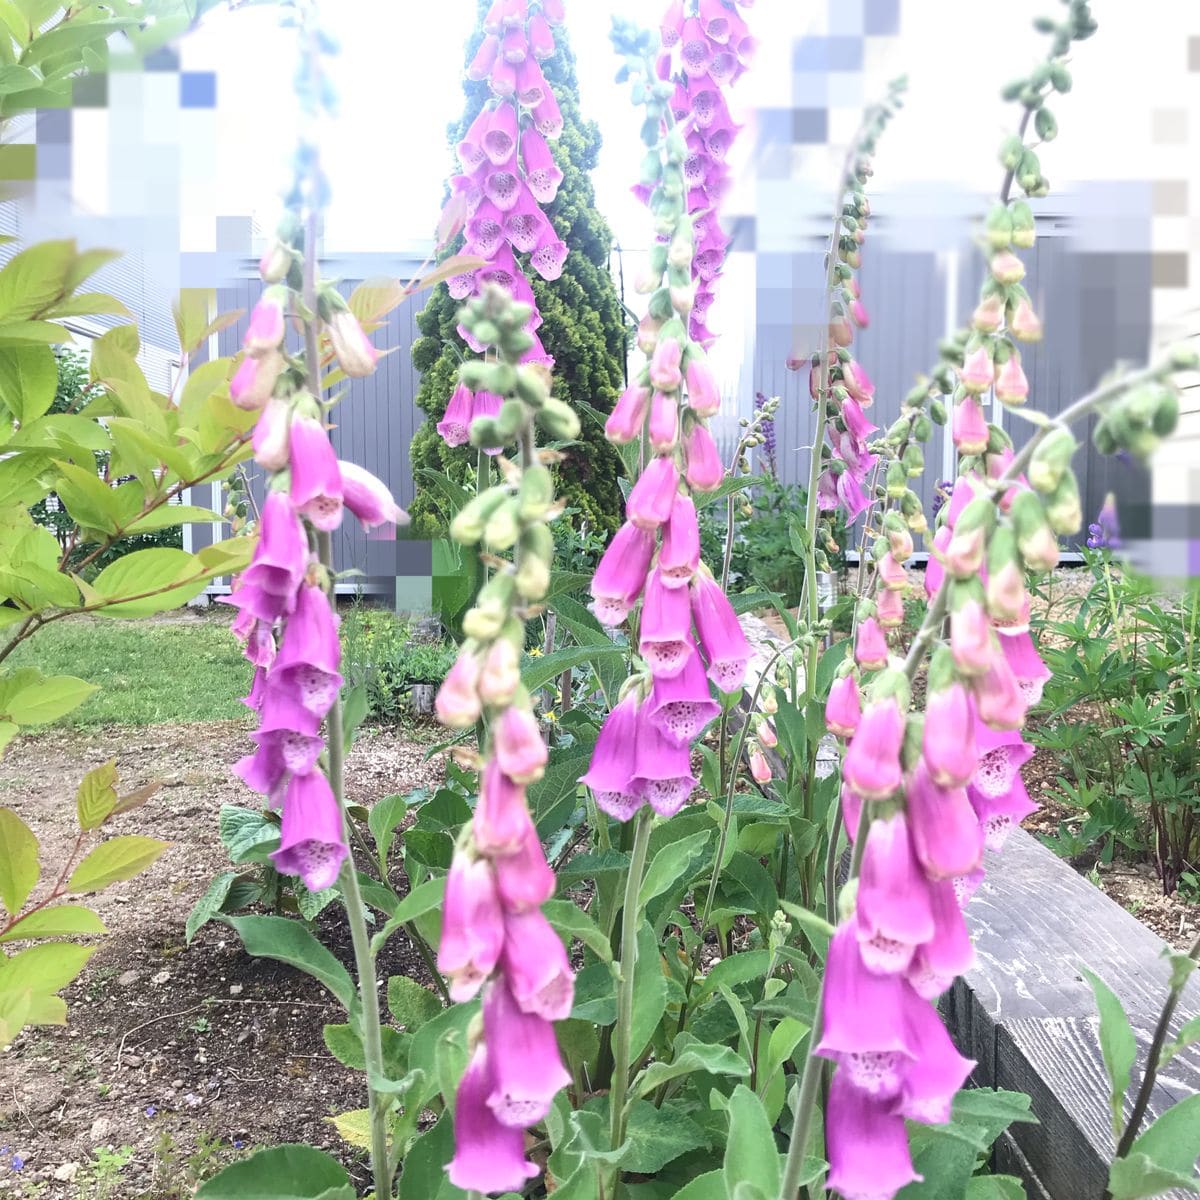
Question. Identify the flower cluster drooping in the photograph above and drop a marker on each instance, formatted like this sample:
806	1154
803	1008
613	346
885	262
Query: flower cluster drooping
284	597
687	633
494	934
509	173
705	48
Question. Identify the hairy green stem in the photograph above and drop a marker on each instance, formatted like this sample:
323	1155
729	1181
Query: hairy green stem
623	1030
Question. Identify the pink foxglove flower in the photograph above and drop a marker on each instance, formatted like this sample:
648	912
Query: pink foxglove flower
524	879
519	749
681	705
527	1070
268	585
948	739
969	426
679	558
665	373
501	674
625	422
1011	385
760	769
536	967
265	330
312	839
254	380
843	709
458	702
998	698
287	729
949	952
473	927
666	626
502	821
870	646
542	173
863	1027
889	608
369	498
703	397
859	385
355	354
998	812
1025	325
892	909
869	1157
309	654
872	762
455	425
972	642
704	470
661	769
316	491
976	373
488	1155
945	832
610	774
725	647
931	1082
663	430
271	438
653	496
1027	667
621	574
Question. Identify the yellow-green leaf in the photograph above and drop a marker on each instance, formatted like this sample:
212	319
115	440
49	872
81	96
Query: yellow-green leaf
228	556
168	515
15	1004
8	731
44	968
114	861
28	380
64	920
354	1127
37	588
18	861
149	581
34	279
88	498
96	796
208	379
89	304
88	263
49	699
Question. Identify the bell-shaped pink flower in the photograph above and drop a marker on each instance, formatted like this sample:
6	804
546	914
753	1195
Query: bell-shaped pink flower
850	491
863	1027
309	654
1025	325
500	676
473	926
621	574
454	427
969	426
500	138
935	575
858	384
524	878
288	729
368	498
536	967
949	953
680	555
988	314
470	148
281	556
696	50
851	803
549	254
532	87
1011	385
856	421
527	1070
871	765
547	119
933	1080
625	422
870	646
760	769
489	1156
254	380
972	642
858	314
653	496
458	702
1030	672
704	470
945	832
1002	755
542	173
892	909
703	396
843	709
1007	597
351	346
721	637
271	438
1006	267
998	698
502	822
316	491
867	1142
502	186
610	774
520	751
948	741
312	842
541	39
892	574
666	626
485	230
663	430
665	373
661	770
682	706
998	813
672	24
265	331
976	373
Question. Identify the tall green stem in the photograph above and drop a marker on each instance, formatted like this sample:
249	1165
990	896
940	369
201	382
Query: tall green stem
623	1030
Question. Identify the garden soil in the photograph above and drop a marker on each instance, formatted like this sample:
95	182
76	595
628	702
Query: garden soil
176	1058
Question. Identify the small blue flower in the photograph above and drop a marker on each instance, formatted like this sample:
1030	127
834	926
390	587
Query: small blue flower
17	1163
151	1111
238	1144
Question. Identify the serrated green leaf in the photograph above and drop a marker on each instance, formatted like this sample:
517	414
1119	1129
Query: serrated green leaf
1137	1176
209	904
410	1004
541	670
62	920
18	861
44	969
114	861
691	1056
96	796
48	699
570	920
670	863
28	380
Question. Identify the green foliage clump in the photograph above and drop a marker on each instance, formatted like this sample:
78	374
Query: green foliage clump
584	325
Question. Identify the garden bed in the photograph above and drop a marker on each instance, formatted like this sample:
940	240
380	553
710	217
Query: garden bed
177	1058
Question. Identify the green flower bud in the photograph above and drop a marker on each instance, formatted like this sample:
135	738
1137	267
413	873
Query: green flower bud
922	428
1060	77
900	430
536	555
917	396
536	493
509	420
897	479
1035	540
484	432
516	342
558	420
1029	171
913	460
1011	150
1166	415
1045	125
1051	459
937	410
476	373
1064	514
998	228
492	608
502	528
1024	225
468	525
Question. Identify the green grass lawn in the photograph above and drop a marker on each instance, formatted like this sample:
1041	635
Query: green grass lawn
148	674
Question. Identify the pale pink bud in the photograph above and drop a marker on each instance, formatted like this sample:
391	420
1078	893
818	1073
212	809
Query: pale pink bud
275	262
664	422
647	335
625	422
501	674
891	574
355	354
1006	267
870	646
977	373
972	642
948	743
265	331
520	751
651	498
457	702
767	735
872	762
1007	599
760	769
901	543
969	426
841	333
271	434
988	314
665	374
702	393
254	380
1025	325
964	554
843	709
704	470
1011	385
889	609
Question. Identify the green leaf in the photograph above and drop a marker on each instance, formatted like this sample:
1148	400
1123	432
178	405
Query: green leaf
346	1046
552	798
356	706
45	968
34	279
541	670
168	516
96	796
28	380
995	1187
692	1056
209	904
48	699
572	922
18	861
247	833
658	1136
354	1127
281	1173
290	942
750	1152
450	1022
737	968
593	866
384	819
1173	1141
649	992
1137	1176
810	922
424	1174
63	920
149	575
1117	1045
989	1112
422	899
410	1004
670	863
114	861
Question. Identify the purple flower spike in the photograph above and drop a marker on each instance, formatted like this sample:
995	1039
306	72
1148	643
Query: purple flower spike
312	843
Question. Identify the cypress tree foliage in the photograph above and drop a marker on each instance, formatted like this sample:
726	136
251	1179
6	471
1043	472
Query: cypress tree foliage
584	325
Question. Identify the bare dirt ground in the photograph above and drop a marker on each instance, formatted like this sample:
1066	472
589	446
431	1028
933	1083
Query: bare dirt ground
177	1058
